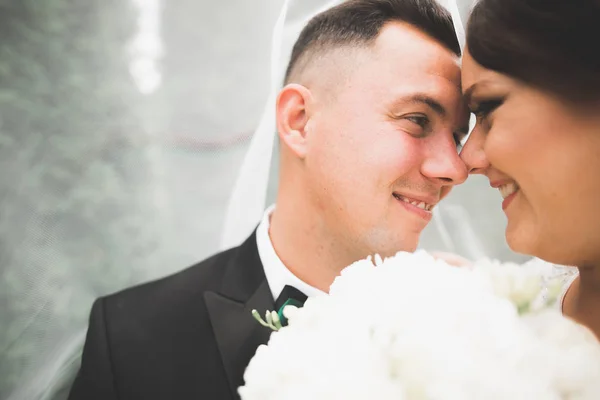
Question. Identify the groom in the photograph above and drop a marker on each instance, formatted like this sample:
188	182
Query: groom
369	122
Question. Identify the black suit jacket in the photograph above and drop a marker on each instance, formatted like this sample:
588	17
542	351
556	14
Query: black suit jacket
187	336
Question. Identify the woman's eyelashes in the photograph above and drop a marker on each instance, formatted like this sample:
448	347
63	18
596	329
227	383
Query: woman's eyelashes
484	108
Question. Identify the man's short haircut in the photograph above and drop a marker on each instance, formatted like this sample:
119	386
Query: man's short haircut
357	23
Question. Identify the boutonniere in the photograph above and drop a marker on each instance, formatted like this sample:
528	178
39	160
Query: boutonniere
276	320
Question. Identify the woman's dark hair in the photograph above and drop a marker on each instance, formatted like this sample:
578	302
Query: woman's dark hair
548	44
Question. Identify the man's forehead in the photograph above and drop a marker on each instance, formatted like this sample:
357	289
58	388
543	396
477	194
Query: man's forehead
438	82
430	89
413	52
402	60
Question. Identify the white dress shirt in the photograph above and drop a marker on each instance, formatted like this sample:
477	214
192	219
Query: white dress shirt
276	272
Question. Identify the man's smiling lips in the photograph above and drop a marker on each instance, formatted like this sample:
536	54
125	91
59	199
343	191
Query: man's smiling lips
420	205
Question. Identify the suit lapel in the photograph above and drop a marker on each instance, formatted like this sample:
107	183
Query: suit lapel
238	335
236	332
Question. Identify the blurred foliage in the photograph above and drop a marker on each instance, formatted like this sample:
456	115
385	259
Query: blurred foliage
75	187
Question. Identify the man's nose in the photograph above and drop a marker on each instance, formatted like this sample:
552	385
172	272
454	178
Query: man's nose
443	164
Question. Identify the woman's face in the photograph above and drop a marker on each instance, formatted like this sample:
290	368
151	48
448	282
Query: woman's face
544	157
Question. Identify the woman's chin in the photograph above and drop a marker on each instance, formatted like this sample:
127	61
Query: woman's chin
527	242
520	241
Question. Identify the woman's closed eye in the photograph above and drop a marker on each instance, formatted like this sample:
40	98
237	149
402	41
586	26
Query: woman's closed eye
486	107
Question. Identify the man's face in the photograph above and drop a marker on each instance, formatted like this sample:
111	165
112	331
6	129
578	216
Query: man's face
382	151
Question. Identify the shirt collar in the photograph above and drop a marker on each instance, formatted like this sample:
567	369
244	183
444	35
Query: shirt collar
276	272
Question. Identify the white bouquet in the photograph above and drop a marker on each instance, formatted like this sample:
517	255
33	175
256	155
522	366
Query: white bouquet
412	327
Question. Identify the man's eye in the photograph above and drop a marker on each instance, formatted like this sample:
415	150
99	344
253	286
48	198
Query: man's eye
420	120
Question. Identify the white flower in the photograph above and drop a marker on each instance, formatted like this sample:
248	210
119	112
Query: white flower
521	285
411	327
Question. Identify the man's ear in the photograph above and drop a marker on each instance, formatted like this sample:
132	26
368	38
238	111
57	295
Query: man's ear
292	110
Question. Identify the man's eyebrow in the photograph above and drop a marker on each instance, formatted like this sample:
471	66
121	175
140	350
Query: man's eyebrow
435	105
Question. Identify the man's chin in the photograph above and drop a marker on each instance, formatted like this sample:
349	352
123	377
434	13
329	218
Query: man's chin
406	244
389	240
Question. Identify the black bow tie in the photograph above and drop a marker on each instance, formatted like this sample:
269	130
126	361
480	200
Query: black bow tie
290	296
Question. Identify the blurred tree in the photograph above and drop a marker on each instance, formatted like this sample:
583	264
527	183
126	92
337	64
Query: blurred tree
77	217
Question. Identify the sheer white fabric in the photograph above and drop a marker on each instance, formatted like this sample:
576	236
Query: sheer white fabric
120	155
248	199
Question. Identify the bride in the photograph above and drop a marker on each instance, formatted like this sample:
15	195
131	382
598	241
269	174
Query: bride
533	83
